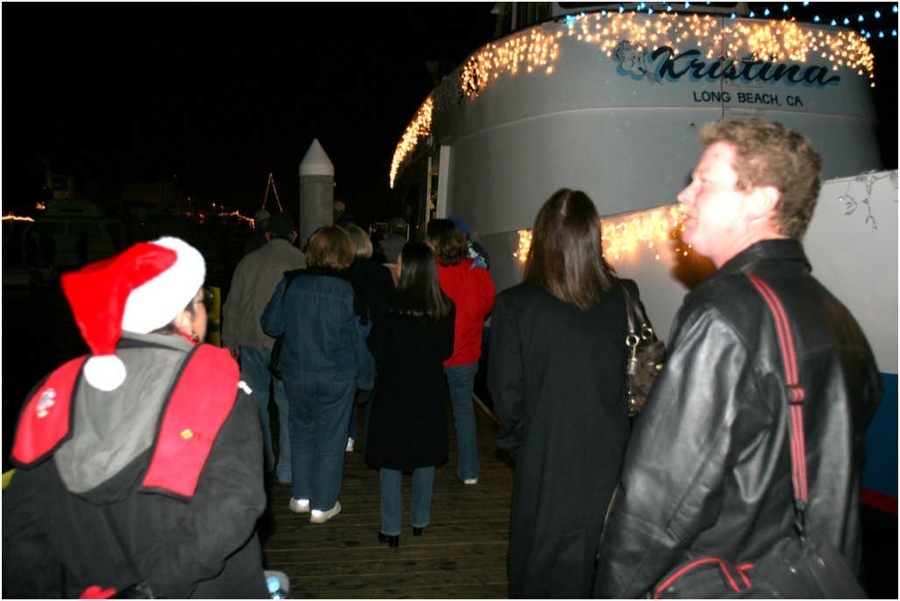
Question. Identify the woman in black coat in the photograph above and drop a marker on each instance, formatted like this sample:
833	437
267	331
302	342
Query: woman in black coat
372	283
407	430
556	375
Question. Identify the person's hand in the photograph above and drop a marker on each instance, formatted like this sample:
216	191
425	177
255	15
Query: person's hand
363	396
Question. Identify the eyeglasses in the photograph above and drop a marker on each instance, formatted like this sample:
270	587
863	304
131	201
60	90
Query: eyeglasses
206	299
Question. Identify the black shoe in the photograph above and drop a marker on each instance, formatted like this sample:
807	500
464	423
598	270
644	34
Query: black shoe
393	540
418	531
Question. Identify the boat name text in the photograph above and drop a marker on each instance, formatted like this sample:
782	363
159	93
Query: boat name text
665	64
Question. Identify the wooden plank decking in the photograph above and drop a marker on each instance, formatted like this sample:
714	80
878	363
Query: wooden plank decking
461	555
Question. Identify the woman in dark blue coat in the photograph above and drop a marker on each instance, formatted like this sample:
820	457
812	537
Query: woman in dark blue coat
321	361
408	421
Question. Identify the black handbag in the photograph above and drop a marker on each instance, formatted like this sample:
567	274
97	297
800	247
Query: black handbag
645	355
804	566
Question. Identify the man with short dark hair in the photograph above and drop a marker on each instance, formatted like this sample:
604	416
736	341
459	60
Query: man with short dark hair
257	237
252	285
708	468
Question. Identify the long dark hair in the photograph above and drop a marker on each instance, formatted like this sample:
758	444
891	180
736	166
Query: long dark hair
448	241
566	256
418	293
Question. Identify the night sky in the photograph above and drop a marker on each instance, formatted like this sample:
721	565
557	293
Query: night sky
218	95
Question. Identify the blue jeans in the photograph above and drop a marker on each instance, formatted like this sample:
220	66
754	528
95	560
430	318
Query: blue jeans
391	501
255	372
461	381
319	415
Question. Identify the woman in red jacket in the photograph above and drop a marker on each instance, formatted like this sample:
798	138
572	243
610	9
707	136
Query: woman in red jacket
472	290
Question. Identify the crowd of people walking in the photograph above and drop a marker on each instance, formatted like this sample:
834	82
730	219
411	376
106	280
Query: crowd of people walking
141	466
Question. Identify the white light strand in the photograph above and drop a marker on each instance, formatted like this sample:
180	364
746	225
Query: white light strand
626	235
537	49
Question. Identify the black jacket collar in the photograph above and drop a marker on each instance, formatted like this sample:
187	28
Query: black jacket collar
782	249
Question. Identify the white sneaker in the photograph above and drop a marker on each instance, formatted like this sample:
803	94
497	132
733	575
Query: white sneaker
350	442
320	517
299	505
470	481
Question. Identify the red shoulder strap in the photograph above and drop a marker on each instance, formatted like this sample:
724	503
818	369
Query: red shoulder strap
795	390
46	420
203	398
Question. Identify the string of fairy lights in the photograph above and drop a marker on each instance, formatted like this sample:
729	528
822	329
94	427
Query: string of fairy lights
420	127
624	235
653	230
776	36
770	33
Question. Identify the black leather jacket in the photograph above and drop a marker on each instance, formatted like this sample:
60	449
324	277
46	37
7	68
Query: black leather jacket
707	470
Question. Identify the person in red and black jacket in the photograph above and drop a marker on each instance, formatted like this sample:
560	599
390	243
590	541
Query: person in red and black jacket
140	468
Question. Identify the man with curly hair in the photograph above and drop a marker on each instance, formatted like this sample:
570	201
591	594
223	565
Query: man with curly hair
708	468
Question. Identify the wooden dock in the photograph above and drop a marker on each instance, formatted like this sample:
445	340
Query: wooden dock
462	554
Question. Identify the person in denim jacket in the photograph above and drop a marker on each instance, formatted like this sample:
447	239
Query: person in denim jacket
323	358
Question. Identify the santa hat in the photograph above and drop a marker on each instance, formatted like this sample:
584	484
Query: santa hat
139	290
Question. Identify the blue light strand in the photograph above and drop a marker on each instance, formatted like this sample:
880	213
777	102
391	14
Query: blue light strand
859	17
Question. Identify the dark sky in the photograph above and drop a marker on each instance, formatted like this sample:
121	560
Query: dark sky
221	94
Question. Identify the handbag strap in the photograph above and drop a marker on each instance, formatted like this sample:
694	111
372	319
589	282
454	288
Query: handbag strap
637	319
796	396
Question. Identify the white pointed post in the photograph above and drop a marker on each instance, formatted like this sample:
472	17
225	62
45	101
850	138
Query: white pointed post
316	192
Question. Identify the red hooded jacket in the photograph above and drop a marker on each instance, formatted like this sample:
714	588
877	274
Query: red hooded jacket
472	290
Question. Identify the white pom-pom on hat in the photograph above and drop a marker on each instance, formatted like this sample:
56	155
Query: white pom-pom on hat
104	372
140	290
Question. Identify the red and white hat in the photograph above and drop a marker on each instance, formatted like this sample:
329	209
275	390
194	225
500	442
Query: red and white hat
139	290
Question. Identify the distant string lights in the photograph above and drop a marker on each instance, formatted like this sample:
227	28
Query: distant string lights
776	36
11	217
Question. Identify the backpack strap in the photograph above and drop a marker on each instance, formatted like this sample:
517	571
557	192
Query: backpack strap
203	397
46	421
